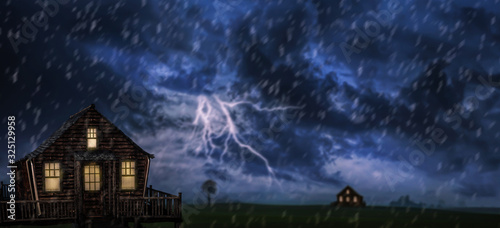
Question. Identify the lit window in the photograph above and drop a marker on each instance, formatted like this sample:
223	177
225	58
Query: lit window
52	177
347	199
347	192
92	178
355	199
91	138
128	175
340	198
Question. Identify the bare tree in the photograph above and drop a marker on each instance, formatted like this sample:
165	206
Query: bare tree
210	188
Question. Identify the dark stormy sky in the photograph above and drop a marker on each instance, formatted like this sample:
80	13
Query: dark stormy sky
277	101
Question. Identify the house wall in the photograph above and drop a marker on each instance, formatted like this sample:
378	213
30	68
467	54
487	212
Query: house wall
23	190
351	196
75	140
351	199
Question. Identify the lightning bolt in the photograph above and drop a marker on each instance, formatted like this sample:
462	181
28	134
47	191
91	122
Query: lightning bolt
213	120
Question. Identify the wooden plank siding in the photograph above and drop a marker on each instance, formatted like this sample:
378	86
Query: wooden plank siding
74	139
68	146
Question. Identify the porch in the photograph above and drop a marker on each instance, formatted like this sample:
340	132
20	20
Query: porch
154	206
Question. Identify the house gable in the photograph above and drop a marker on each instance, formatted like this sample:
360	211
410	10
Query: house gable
350	189
68	145
57	134
71	136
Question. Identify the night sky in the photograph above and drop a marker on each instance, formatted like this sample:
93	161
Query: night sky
282	102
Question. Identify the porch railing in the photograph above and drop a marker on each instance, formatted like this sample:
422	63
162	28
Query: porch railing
4	191
150	192
155	207
155	204
42	210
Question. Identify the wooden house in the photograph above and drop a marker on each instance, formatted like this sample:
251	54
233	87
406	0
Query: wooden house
347	197
89	169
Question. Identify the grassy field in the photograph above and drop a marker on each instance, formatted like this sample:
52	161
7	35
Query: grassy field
252	215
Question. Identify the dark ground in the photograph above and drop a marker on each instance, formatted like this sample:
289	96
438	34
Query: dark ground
275	216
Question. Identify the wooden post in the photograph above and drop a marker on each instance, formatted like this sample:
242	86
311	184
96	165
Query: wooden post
110	194
150	194
3	211
180	204
78	189
115	213
1	191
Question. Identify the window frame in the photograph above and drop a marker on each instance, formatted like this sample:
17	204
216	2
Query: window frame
134	169
94	182
52	177
95	136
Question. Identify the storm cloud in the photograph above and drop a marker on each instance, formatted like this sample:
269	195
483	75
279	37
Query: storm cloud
287	97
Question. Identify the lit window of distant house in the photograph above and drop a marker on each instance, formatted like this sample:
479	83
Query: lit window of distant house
92	138
128	175
340	199
355	199
347	199
92	178
52	177
347	191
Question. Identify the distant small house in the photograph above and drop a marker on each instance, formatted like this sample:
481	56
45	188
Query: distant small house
349	198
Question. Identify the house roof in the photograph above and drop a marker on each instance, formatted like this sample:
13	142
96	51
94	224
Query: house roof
350	188
72	120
